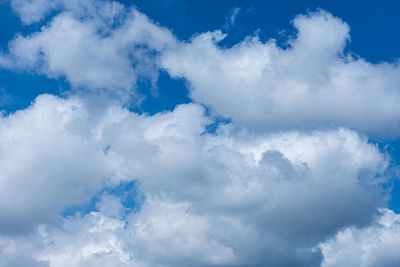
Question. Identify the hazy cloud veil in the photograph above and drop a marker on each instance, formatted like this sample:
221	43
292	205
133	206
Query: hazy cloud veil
291	180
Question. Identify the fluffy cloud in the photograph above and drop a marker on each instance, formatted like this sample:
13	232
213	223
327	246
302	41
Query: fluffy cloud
164	234
311	84
250	193
33	11
96	45
44	165
210	198
375	245
53	155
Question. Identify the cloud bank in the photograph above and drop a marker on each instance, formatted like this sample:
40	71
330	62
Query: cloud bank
292	180
313	83
215	198
375	245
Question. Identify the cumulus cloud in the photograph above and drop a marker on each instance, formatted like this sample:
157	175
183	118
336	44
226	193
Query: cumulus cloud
163	233
45	166
96	45
33	11
286	183
311	84
375	245
54	155
210	198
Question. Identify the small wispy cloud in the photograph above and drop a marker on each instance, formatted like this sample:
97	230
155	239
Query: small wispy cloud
231	18
5	98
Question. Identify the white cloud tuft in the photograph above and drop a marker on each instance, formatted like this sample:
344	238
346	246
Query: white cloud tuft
311	84
372	246
219	198
250	194
102	47
231	18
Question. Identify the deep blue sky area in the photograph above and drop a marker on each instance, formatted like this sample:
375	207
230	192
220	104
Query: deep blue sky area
374	24
375	36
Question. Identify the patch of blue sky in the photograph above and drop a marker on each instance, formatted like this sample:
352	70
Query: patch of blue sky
127	192
23	88
392	149
166	96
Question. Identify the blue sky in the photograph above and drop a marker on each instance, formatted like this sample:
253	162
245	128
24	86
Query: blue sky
199	133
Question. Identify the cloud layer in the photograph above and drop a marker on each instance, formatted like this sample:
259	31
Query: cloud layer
99	46
313	83
375	245
235	195
291	180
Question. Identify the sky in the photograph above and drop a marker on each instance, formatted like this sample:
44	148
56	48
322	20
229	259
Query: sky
199	133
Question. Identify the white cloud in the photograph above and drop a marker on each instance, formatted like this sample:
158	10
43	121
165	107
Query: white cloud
211	199
33	11
311	84
95	45
54	154
375	245
45	163
257	196
231	18
162	234
170	234
5	98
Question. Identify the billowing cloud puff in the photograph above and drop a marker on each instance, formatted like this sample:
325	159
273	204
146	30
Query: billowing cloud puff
53	155
310	84
285	183
43	166
98	45
218	198
375	245
163	233
33	11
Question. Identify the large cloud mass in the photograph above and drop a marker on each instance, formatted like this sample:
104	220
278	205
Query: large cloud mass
313	83
285	183
375	245
234	196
